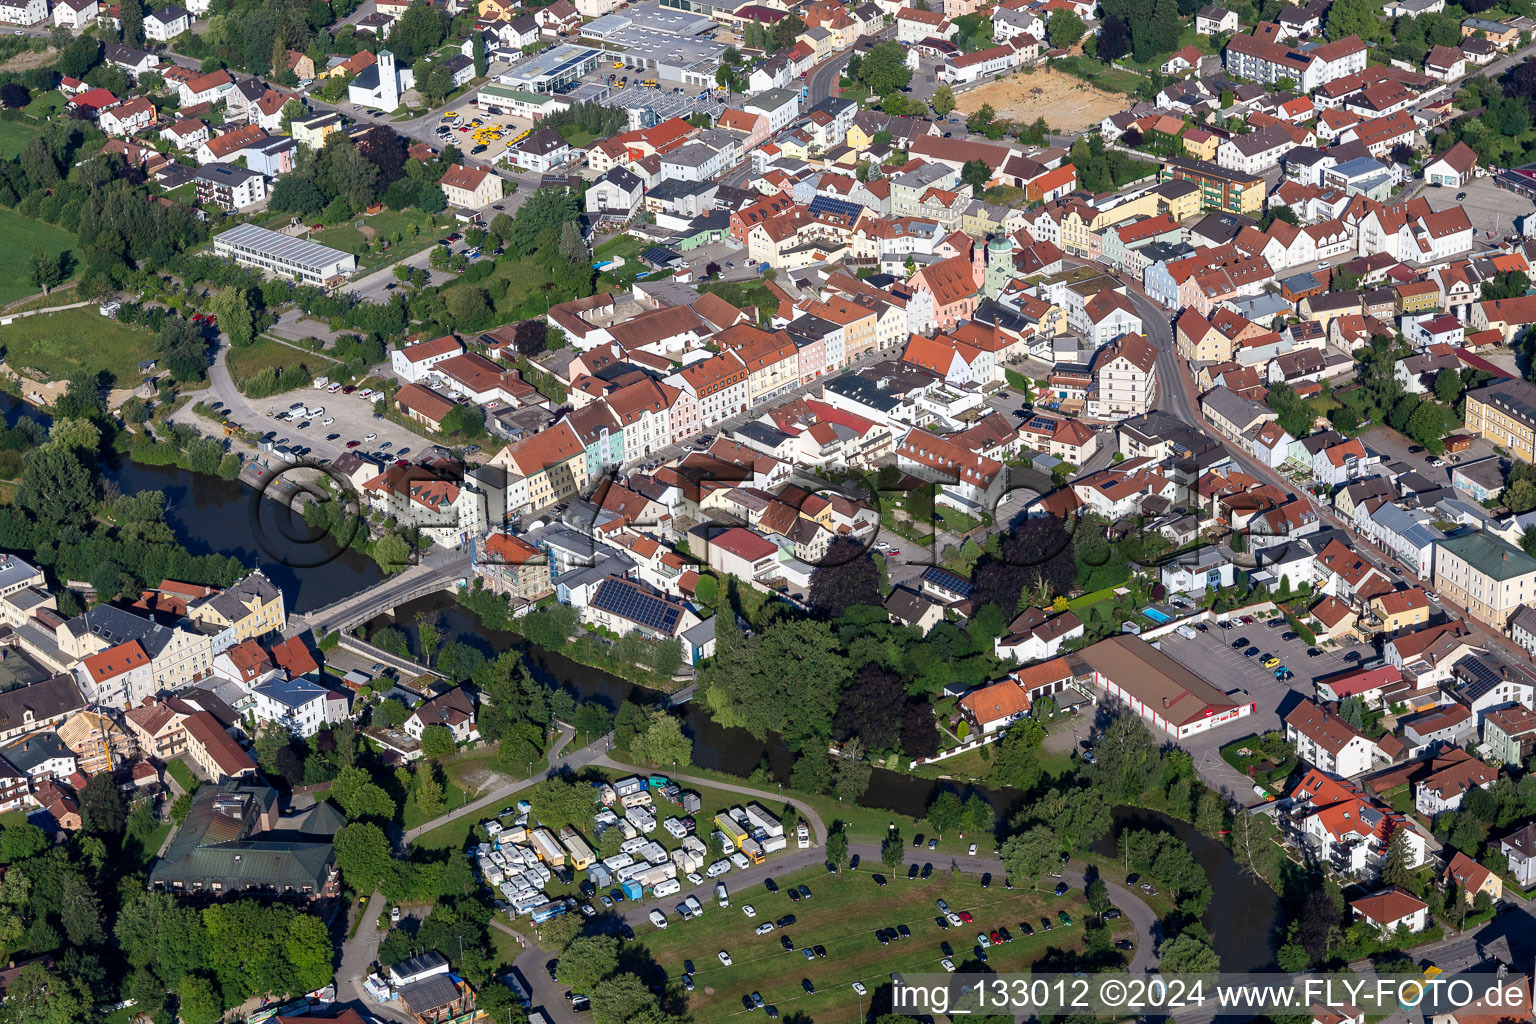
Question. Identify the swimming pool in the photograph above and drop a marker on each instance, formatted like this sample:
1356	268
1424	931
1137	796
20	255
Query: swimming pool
1156	615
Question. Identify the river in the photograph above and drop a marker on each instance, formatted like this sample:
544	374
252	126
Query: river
211	515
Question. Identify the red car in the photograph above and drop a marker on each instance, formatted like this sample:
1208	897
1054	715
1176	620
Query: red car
197	318
965	915
997	940
211	320
353	444
402	462
349	389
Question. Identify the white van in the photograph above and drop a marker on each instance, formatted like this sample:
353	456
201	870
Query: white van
721	896
718	868
658	919
666	887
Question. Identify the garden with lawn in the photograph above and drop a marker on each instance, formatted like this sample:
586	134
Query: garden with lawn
842	915
50	345
1268	760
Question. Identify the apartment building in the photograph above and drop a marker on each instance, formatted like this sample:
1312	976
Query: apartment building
1505	413
1220	189
1124	379
1489	577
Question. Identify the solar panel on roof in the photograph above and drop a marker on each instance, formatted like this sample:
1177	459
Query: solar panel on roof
837	207
630	602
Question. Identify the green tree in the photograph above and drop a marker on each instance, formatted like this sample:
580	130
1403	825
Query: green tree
976	174
891	849
1395	869
197	1001
362	855
588	960
359	797
945	812
943	101
1097	895
1064	28
101	807
47	270
1030	854
429	791
624	999
437	742
1447	385
236	319
837	849
1187	954
663	742
884	69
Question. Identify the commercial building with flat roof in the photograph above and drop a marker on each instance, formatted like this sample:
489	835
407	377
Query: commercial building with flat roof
295	258
548	71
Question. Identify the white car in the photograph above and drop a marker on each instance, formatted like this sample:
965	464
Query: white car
972	850
953	919
394	915
858	987
764	928
749	910
658	919
694	878
948	965
370	437
328	421
725	958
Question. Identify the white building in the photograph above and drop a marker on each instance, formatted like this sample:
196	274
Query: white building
164	25
285	256
413	362
1327	742
23	12
297	705
75	14
380	84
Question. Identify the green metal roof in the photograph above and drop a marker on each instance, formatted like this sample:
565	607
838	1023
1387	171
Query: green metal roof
220	843
1490	556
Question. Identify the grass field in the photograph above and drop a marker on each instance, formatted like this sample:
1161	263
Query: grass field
527	294
22	235
45	103
53	345
843	914
13	136
182	774
264	353
742	294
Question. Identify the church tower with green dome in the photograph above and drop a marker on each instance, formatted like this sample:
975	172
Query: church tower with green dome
999	265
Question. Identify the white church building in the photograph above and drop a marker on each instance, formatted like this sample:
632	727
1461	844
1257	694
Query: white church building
380	84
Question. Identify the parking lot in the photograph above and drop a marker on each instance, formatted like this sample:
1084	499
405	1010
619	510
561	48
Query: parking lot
511	129
1394	447
1211	656
1492	210
353	420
